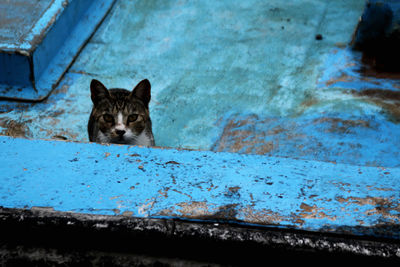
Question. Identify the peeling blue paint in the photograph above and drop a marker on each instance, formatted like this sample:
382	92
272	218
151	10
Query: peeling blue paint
246	77
169	183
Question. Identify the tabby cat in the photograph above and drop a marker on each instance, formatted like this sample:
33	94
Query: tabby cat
120	116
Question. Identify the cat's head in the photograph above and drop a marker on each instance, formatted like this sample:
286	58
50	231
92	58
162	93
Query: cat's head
121	116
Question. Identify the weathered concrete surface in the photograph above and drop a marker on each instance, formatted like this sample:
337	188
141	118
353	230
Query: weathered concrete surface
17	20
231	76
167	183
39	41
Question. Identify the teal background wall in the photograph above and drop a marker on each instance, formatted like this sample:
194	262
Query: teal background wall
231	76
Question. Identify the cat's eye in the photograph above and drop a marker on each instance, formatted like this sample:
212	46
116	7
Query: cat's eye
108	118
132	117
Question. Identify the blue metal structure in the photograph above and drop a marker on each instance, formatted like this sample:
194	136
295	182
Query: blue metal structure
263	117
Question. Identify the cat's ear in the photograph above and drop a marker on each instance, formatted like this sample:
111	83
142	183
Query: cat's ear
98	91
142	91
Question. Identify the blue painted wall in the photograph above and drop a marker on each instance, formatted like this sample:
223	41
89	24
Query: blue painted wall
231	76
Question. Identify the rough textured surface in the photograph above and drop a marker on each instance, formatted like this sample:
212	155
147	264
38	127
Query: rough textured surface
207	186
17	20
225	59
40	40
236	77
258	78
48	238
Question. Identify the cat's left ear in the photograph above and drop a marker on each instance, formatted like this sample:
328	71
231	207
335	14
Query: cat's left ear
142	91
98	91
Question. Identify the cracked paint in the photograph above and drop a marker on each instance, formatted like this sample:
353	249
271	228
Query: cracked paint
252	189
312	149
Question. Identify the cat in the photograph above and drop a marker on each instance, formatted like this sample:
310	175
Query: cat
120	116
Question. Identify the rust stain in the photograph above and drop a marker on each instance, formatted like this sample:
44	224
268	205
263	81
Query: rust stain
207	211
342	126
234	189
263	216
180	192
194	209
363	201
388	100
14	129
343	186
127	213
342	78
164	192
276	130
144	208
212	187
306	207
313	212
379	205
107	154
115	197
241	136
166	212
370	187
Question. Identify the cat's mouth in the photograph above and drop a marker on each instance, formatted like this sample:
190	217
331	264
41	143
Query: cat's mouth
119	140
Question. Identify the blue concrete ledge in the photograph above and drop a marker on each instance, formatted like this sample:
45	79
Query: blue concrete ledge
39	41
200	186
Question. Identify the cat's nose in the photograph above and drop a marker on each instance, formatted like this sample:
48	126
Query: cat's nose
120	132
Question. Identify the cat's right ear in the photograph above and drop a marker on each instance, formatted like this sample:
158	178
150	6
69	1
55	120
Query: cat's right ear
142	91
98	91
